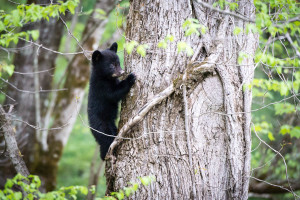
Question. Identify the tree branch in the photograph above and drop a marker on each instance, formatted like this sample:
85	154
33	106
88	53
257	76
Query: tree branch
193	70
11	143
144	110
288	37
225	12
275	187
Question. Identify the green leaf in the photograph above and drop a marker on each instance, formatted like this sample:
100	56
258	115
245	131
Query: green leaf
135	186
35	34
241	57
270	136
186	23
147	180
71	6
84	190
129	46
295	132
29	196
15	18
203	29
141	49
120	195
100	11
2	26
33	185
192	30
169	38
189	51
278	69
284	108
181	46
237	30
9	183
162	44
17	195
233	6
285	129
128	191
284	89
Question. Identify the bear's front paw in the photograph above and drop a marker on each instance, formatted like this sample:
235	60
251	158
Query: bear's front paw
131	78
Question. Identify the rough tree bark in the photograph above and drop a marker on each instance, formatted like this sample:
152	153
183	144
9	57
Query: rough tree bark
11	144
215	162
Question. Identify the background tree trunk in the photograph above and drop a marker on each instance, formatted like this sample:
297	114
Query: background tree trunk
24	104
218	164
42	157
68	103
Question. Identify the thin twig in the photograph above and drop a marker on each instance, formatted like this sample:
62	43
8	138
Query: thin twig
71	34
288	37
53	51
225	12
30	92
278	153
279	186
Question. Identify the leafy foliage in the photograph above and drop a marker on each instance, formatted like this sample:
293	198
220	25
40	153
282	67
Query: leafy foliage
192	25
30	13
223	3
30	187
30	190
275	89
6	68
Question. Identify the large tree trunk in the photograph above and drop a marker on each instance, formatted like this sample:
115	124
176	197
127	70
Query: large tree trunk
201	151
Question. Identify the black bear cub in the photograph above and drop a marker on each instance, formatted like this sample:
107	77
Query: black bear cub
105	93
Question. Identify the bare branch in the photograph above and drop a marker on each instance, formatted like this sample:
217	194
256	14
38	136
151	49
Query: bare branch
225	12
144	110
31	92
53	51
276	187
288	37
12	147
71	34
34	72
286	168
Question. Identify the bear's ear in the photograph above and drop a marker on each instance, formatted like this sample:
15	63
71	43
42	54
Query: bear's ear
96	56
114	47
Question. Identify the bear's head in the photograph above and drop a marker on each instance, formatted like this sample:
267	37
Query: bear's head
106	63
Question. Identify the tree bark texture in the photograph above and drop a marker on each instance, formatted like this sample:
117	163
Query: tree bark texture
11	144
215	162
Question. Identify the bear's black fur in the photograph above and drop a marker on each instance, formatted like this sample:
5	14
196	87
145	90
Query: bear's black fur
104	95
